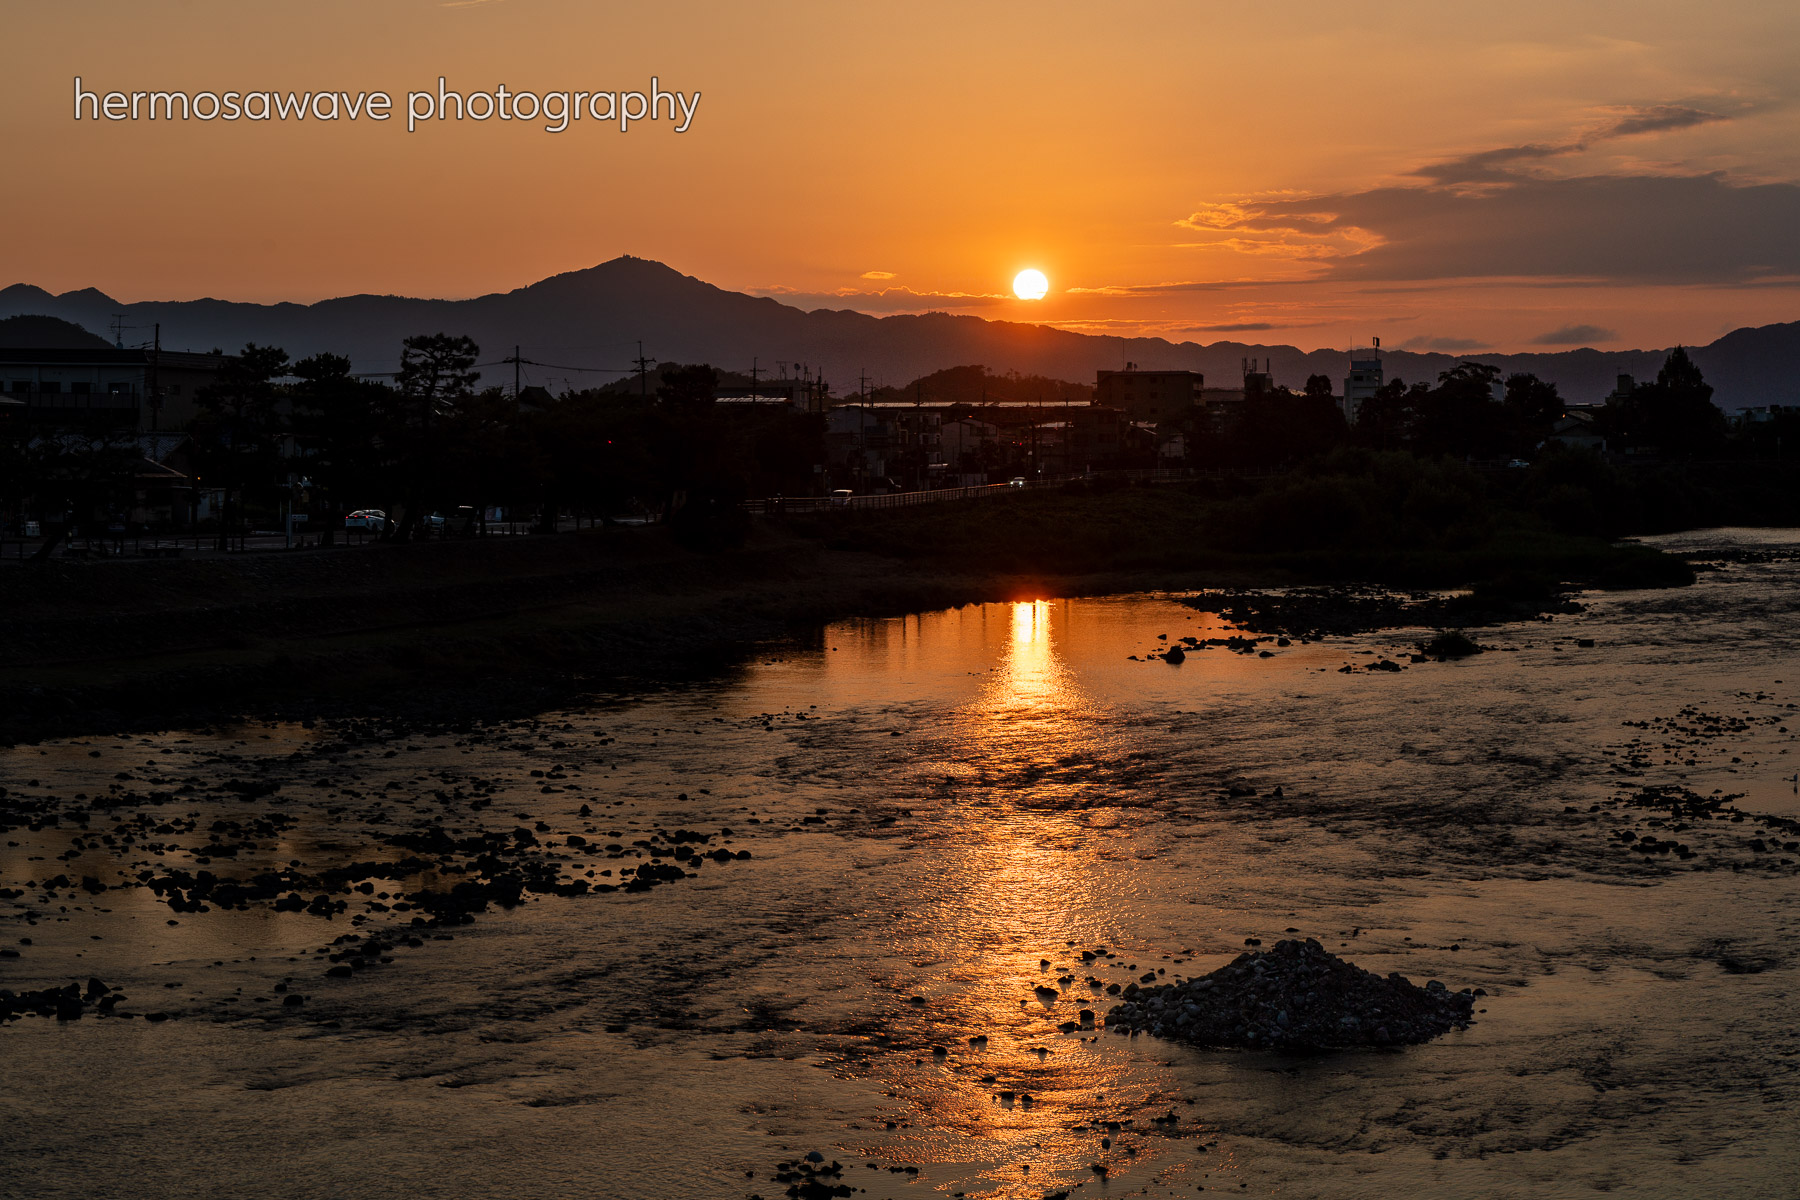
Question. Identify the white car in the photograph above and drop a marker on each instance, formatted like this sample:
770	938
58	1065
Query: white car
841	498
366	518
1017	481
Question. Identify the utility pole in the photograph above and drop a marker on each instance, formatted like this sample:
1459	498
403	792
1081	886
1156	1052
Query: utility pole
919	471
155	397
643	366
862	421
517	360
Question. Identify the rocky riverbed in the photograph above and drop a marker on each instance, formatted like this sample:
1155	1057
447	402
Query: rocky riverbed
362	943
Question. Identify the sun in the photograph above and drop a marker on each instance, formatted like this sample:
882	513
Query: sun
1030	284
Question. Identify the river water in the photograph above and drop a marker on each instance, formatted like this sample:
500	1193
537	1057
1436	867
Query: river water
942	812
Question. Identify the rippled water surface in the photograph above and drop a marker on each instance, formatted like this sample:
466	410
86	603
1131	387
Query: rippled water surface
942	812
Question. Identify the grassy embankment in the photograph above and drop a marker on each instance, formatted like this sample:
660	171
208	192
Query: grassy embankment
1384	519
479	627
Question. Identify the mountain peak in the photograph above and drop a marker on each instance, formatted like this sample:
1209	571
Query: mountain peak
87	296
17	294
625	271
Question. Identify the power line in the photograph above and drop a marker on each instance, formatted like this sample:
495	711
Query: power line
532	362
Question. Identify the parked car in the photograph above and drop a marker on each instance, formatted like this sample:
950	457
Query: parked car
1017	481
372	519
841	498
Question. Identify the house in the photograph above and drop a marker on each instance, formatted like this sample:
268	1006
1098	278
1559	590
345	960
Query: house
1171	447
1223	408
1766	413
964	442
534	398
144	478
106	388
1577	429
858	440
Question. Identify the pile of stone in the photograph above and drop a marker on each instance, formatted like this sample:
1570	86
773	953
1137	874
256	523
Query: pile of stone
1295	996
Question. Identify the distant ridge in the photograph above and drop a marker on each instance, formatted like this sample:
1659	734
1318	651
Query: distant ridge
595	316
46	333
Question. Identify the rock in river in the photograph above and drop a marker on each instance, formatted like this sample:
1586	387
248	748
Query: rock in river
1295	996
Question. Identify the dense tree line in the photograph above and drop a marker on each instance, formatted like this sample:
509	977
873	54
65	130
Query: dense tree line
1474	412
434	443
271	431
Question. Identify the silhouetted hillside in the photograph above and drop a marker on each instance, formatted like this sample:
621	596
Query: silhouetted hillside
595	317
46	333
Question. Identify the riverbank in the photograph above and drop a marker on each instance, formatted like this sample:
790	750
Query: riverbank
441	629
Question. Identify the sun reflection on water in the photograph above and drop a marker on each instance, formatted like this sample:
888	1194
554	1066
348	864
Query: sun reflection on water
1016	879
1031	717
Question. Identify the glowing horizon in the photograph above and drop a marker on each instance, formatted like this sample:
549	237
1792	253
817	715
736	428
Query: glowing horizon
1565	175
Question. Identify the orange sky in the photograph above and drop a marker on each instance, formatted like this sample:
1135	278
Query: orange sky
1441	174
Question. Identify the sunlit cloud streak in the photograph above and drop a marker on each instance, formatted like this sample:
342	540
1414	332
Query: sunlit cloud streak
1493	213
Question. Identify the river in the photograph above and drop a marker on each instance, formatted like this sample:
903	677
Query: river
942	812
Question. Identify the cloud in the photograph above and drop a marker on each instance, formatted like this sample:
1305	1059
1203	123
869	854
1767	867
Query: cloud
883	300
1632	228
877	275
1575	335
1517	212
1492	214
1443	345
1658	118
1159	289
1489	166
1242	327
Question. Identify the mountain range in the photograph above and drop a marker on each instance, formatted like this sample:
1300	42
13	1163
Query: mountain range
594	318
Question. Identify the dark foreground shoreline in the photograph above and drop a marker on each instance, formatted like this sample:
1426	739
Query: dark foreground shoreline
447	631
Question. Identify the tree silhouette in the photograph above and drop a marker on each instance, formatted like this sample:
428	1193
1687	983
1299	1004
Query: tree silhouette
1535	406
688	387
436	375
1674	416
238	429
340	425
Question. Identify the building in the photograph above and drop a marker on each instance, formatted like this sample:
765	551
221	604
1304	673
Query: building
858	440
1764	414
800	394
1578	428
1364	380
1149	395
93	388
965	442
